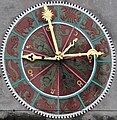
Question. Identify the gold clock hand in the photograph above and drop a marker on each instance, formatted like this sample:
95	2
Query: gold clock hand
47	15
70	45
88	54
32	57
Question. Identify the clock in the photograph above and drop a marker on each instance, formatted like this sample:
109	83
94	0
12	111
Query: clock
58	59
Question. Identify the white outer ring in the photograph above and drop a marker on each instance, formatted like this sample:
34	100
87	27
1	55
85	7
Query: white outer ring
113	56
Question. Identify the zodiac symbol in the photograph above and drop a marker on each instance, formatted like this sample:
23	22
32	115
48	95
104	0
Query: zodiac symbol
79	83
90	58
30	72
52	91
47	28
76	34
29	46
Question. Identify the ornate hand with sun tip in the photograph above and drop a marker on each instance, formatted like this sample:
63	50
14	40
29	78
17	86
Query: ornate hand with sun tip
47	15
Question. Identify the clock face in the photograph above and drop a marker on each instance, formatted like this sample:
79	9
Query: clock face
58	59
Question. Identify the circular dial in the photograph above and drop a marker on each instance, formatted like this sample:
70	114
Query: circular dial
60	78
58	59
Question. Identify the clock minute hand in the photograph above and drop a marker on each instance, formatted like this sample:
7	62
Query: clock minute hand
32	57
70	45
88	54
47	15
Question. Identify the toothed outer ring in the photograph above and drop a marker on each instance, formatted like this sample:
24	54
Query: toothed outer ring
85	11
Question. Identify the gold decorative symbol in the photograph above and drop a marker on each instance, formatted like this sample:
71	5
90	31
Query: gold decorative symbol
90	58
30	72
80	83
52	91
76	34
29	46
47	28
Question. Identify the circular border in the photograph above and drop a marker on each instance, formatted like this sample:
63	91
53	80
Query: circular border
70	95
85	11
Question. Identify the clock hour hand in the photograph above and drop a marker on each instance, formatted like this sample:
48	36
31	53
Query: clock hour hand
32	57
88	54
47	15
70	45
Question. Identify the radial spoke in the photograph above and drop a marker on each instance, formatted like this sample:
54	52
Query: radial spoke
48	39
17	82
73	72
42	71
81	20
40	54
67	39
58	12
11	58
104	61
81	101
34	101
18	35
34	17
97	84
98	38
58	79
